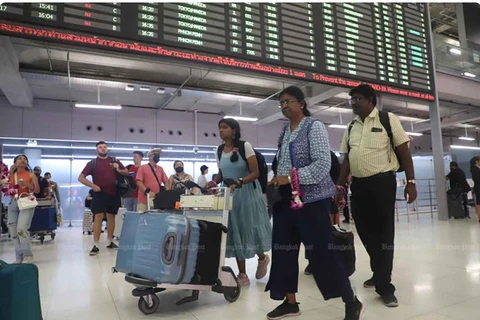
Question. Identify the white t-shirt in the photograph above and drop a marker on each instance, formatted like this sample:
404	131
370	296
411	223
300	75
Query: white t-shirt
202	181
249	152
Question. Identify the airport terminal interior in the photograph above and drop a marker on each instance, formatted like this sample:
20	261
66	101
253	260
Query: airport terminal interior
149	76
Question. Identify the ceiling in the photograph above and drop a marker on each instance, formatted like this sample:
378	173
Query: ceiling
61	73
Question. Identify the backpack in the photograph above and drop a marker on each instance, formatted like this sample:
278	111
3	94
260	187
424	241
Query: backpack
125	185
385	121
335	167
262	164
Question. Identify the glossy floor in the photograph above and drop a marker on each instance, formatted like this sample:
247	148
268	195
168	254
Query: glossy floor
437	274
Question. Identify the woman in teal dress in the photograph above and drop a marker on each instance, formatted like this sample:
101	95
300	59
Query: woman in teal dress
249	228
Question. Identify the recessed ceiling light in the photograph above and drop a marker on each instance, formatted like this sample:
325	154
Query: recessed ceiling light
144	89
129	88
160	90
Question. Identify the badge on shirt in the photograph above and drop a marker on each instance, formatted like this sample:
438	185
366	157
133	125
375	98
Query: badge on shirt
377	130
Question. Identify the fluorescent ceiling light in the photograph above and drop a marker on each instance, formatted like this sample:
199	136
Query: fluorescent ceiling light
455	51
129	88
338	126
467	138
110	149
468	74
144	89
241	118
414	134
464	147
97	106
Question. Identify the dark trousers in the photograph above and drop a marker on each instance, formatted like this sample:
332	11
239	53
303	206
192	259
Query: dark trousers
465	204
373	208
311	226
346	209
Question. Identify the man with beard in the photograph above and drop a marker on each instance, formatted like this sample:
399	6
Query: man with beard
105	199
44	185
149	178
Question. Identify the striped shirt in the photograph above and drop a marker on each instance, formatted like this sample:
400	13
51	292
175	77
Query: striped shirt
371	152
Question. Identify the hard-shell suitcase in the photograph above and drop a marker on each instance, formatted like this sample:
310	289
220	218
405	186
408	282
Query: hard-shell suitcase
19	292
455	204
87	221
159	247
119	222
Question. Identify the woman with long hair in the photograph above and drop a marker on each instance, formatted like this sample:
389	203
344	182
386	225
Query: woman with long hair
249	228
19	221
302	176
475	170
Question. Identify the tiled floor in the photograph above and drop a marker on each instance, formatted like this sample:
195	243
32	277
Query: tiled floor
437	275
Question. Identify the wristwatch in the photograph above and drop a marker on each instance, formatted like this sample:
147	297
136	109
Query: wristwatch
412	181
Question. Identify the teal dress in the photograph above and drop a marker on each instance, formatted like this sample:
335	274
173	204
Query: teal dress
249	228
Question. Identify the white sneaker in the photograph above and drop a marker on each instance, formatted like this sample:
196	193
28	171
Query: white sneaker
28	259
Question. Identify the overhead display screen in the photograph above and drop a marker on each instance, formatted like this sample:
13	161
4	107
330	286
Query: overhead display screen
384	44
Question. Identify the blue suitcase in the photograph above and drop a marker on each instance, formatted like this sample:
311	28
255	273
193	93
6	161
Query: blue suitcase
44	219
159	247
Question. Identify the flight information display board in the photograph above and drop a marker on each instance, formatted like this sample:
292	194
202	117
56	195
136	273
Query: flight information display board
384	44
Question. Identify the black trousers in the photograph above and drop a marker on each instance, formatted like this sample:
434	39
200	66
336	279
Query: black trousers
311	226
346	209
373	208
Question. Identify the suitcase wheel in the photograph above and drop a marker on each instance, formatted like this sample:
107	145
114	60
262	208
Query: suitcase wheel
232	294
149	304
53	235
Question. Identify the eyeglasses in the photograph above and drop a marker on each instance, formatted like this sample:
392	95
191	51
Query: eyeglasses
353	100
287	102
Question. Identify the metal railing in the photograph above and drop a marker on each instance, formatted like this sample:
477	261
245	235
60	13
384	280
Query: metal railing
426	202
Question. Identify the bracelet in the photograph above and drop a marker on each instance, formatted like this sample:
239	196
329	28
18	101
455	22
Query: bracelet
289	180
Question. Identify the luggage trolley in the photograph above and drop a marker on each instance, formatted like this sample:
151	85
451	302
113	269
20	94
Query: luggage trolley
205	207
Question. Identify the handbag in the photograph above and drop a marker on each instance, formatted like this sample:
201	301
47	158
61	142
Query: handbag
25	203
344	244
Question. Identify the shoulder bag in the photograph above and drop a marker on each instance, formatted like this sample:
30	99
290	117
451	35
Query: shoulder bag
25	200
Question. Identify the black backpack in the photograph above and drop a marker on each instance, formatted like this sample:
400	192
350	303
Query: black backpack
385	121
262	164
125	185
335	167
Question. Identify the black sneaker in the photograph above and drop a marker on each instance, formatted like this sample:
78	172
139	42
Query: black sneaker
369	284
354	310
112	246
94	251
390	300
284	310
308	270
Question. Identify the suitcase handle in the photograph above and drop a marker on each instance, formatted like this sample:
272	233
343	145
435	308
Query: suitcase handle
168	249
183	251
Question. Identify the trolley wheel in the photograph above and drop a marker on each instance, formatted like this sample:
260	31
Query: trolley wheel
53	235
42	238
232	295
149	304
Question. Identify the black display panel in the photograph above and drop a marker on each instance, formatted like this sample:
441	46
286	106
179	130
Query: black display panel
471	14
384	44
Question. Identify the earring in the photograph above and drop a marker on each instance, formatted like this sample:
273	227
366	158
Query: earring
233	137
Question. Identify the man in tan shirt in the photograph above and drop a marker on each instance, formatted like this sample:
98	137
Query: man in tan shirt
372	157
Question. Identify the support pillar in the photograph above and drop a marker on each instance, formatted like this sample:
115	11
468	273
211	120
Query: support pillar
437	144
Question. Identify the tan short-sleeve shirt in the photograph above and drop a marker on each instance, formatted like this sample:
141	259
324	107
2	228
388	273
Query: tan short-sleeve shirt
371	151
